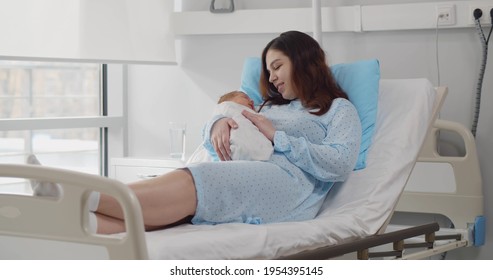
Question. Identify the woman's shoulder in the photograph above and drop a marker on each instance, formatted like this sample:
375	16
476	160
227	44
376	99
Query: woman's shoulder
340	107
341	104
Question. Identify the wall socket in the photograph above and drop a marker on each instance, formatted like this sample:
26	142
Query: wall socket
446	14
485	19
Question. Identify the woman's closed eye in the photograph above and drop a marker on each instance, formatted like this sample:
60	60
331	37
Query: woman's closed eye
276	67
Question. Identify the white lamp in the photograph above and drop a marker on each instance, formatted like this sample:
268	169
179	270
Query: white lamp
103	31
317	21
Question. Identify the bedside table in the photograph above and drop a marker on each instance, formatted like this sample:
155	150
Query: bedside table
132	169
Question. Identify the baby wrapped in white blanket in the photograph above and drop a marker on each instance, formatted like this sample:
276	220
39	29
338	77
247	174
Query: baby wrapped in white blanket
246	141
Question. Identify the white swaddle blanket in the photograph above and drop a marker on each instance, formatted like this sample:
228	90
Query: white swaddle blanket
247	142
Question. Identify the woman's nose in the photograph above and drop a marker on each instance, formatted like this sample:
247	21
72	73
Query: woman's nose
272	78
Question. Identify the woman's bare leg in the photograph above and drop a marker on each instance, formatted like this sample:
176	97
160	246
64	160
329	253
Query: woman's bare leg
109	225
164	200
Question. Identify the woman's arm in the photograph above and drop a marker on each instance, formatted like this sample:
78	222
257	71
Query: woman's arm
336	156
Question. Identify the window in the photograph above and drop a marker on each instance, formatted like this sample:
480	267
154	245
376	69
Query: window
55	111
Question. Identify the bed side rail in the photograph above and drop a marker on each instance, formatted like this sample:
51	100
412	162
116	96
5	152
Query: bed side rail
467	177
66	218
396	238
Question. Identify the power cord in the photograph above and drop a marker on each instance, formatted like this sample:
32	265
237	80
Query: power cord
439	83
436	49
478	13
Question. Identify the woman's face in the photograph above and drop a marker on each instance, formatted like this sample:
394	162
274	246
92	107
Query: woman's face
279	67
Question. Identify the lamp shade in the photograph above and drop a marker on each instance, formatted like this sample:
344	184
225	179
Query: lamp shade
105	31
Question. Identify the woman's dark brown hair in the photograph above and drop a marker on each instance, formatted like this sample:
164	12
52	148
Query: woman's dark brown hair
311	77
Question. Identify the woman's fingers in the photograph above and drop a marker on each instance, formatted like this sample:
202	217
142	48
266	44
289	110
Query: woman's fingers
262	123
220	137
222	147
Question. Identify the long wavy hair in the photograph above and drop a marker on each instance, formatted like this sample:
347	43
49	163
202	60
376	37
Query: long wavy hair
312	79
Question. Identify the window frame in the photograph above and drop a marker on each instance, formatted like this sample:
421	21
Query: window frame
111	121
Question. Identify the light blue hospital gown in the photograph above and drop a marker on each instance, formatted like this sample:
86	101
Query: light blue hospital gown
292	185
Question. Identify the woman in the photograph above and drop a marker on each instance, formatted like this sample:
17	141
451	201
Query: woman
315	132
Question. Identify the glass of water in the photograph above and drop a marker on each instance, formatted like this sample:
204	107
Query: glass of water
177	140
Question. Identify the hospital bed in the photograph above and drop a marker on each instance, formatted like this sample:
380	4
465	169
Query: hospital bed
354	218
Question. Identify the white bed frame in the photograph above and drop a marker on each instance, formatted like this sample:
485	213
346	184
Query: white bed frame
458	180
68	219
457	191
24	217
437	185
450	181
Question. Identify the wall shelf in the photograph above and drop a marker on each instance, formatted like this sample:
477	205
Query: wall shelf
265	21
334	19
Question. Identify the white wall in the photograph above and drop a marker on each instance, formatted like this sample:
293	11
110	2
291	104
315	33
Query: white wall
211	65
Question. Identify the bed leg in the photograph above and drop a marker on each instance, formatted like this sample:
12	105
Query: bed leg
399	245
430	238
363	254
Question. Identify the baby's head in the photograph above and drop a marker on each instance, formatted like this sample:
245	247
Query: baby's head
237	97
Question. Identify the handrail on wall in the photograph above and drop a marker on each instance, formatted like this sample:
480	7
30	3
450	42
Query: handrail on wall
215	10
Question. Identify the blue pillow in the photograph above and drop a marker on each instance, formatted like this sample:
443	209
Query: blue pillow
360	80
250	79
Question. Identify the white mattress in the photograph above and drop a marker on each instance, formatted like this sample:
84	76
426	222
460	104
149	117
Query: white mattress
356	208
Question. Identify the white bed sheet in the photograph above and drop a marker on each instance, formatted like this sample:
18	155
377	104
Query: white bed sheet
357	208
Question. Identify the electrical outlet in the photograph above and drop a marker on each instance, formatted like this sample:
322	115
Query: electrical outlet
446	14
485	19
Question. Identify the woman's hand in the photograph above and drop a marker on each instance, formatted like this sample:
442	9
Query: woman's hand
262	123
220	137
